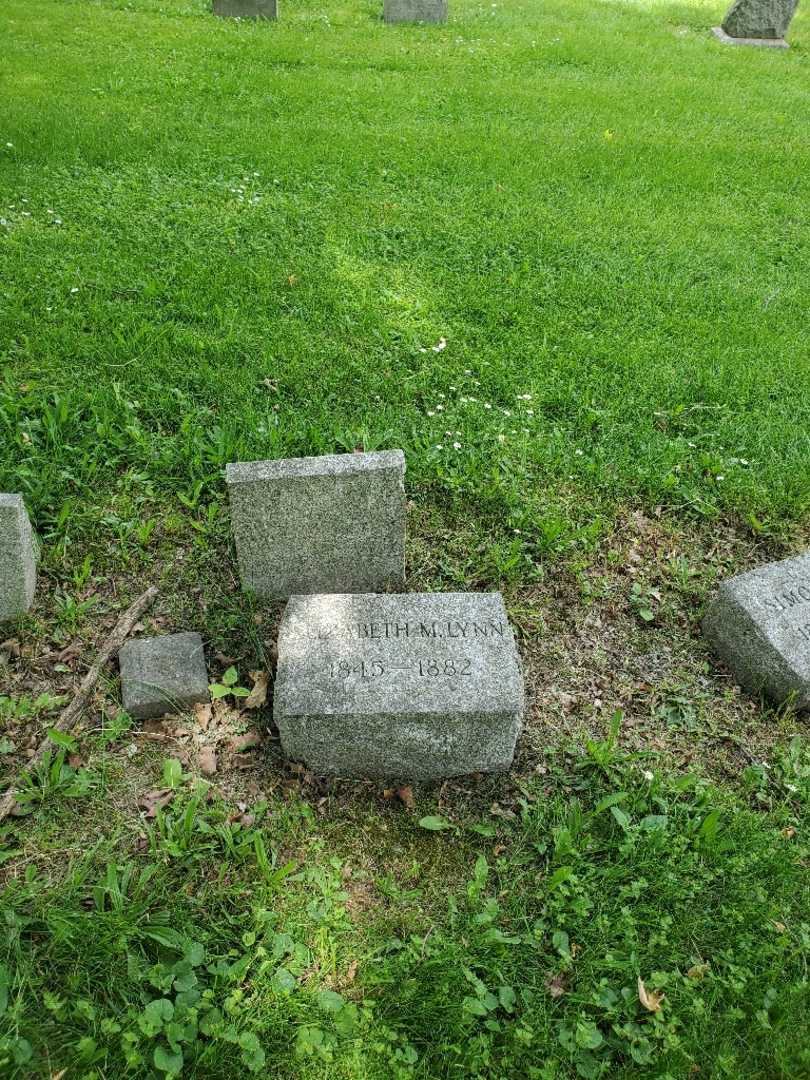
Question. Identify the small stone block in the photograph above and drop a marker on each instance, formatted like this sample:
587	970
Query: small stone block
320	524
428	11
762	43
417	686
163	675
246	9
18	558
759	625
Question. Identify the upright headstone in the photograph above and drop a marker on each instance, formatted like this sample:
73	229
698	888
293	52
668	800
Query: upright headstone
757	22
161	675
416	686
322	524
246	9
759	624
18	558
428	11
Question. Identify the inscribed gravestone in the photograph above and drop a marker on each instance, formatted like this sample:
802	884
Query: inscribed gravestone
18	558
164	674
429	11
246	9
417	686
324	524
760	626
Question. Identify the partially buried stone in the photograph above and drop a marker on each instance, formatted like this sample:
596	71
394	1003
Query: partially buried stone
761	21
246	9
18	558
428	11
760	626
417	686
319	524
163	675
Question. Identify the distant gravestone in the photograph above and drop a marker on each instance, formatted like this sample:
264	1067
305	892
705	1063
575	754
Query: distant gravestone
757	22
760	626
428	11
321	524
161	675
418	686
246	9
18	558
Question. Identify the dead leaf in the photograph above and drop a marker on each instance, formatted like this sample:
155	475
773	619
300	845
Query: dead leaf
258	695
406	797
351	972
12	647
789	832
207	761
70	653
203	711
650	999
58	1075
388	793
556	985
244	742
152	801
499	849
75	761
697	972
780	927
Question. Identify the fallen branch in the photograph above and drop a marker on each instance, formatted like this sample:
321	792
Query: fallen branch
69	715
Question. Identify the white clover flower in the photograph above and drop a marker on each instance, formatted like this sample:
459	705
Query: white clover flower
456	445
439	446
580	453
431	412
487	405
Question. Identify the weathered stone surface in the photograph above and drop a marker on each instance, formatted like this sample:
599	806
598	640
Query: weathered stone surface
162	675
417	686
761	43
18	558
766	19
432	11
318	525
760	626
246	9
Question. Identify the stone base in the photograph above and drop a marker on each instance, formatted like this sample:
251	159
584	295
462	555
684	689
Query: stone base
760	43
427	11
246	9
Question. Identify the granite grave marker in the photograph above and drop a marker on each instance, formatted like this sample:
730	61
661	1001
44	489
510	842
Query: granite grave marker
417	686
161	675
319	524
757	22
427	11
760	625
18	558
246	9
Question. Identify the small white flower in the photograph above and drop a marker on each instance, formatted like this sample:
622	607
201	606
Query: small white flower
10	145
440	345
440	408
467	371
456	445
720	478
487	405
431	412
648	775
580	453
439	446
516	532
530	412
501	438
506	412
74	289
743	461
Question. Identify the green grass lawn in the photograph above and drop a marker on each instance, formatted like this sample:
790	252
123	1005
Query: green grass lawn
557	253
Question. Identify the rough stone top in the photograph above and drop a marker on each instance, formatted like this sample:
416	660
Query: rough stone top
11	502
772	590
241	472
383	654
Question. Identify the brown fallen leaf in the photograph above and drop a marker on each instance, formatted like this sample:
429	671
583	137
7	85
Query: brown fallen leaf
697	972
152	801
75	761
789	832
405	795
388	793
351	972
207	761
556	985
650	999
499	849
202	713
258	695
11	646
70	652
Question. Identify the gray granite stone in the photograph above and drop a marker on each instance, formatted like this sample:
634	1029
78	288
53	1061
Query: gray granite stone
760	626
759	18
162	675
759	43
417	686
18	558
246	9
429	11
318	525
